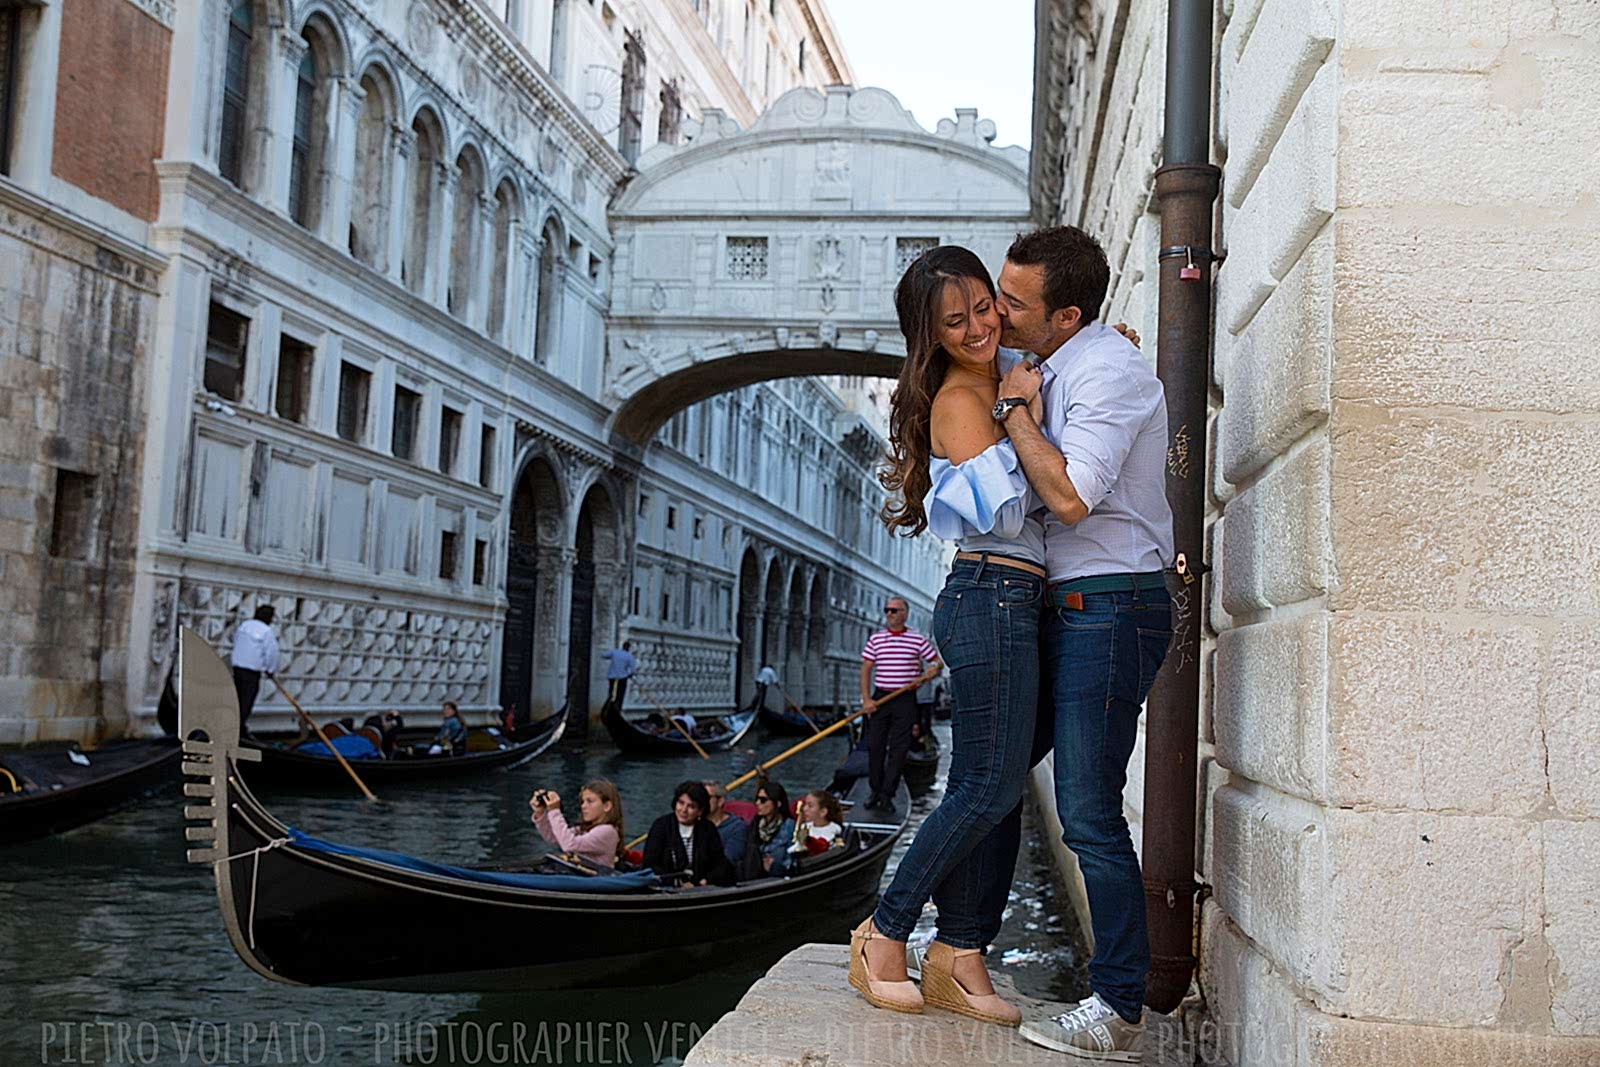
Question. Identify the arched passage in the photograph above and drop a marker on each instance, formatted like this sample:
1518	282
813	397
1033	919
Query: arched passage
747	626
794	660
817	691
771	608
536	511
596	607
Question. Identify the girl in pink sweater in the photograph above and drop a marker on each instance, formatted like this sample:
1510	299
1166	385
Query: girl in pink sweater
598	836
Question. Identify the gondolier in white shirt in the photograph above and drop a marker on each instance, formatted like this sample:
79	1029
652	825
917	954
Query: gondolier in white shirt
893	657
765	677
620	667
255	653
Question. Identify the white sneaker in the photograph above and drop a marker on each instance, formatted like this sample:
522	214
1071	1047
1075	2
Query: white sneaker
1091	1031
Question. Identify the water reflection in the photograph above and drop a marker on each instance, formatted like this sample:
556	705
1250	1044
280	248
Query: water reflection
111	950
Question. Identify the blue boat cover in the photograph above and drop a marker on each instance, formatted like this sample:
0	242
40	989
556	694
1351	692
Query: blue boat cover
632	882
350	746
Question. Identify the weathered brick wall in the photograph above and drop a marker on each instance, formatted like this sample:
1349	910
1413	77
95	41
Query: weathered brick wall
1402	817
76	320
110	102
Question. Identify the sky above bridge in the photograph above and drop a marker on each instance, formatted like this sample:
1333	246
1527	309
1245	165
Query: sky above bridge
938	55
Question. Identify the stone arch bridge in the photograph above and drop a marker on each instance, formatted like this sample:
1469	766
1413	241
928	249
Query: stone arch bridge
773	252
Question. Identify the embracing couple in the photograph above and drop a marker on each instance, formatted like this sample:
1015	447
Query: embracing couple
1044	461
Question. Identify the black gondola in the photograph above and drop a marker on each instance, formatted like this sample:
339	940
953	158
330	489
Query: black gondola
652	734
485	751
922	759
789	721
305	912
42	791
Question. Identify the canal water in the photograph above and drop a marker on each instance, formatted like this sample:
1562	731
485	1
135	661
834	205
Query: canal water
112	951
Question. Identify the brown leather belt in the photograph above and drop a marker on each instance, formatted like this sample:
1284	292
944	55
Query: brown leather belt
1004	561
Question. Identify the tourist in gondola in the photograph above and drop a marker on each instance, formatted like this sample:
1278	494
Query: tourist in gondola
767	851
954	472
388	727
823	819
452	735
683	846
734	830
598	835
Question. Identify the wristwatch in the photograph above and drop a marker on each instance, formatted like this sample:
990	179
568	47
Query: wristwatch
1003	406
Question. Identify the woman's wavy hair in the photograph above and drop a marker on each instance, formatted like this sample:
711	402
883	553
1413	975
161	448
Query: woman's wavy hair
606	789
916	302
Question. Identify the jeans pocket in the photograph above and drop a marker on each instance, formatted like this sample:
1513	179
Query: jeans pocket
1153	645
944	620
1019	592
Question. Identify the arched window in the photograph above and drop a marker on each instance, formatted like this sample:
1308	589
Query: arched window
463	245
549	299
424	157
369	206
302	196
236	92
504	212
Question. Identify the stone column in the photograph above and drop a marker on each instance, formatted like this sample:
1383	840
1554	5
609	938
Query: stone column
339	160
551	631
522	291
274	134
443	227
402	142
485	268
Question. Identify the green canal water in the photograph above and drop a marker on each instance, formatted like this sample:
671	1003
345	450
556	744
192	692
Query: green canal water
112	951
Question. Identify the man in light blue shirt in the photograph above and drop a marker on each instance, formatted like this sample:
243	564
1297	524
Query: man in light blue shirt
619	669
1098	465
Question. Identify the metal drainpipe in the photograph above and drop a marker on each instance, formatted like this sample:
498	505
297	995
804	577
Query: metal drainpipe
1186	187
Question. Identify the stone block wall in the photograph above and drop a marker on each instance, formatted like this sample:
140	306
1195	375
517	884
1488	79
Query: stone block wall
76	316
1401	732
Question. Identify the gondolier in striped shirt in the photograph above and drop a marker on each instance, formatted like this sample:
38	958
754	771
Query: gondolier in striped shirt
895	656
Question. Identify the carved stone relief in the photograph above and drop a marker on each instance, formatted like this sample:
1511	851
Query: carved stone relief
339	651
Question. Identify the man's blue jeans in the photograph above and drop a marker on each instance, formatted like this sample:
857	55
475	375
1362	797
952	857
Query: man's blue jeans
986	624
1097	666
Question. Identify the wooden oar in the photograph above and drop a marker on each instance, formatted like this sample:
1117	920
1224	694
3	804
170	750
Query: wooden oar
761	768
798	710
336	754
670	719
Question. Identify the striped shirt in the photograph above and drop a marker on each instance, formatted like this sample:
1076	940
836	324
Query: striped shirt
898	657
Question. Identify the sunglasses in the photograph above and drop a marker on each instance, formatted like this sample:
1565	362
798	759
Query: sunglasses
892	611
763	800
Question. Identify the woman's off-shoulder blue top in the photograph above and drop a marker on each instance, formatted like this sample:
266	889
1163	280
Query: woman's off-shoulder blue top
983	505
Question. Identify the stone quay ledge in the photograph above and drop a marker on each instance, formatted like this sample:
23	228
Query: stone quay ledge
803	1013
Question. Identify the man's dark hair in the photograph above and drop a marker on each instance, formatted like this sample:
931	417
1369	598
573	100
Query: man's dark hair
451	704
1076	273
265	613
627	646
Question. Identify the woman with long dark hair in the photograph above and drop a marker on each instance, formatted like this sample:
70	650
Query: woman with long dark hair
953	472
767	848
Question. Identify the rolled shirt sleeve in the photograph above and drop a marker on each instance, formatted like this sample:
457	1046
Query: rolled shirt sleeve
1108	409
986	494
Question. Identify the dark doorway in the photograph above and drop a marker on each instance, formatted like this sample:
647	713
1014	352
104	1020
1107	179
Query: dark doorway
522	590
580	636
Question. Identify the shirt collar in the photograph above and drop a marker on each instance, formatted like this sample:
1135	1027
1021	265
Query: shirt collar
1061	357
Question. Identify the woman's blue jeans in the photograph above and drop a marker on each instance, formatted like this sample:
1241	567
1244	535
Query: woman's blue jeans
986	624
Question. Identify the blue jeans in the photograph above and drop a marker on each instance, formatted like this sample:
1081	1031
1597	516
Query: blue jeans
1097	666
986	624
